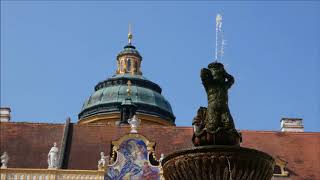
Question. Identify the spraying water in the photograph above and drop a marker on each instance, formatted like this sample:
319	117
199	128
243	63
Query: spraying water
220	42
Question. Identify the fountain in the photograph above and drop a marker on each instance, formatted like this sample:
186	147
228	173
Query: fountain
217	154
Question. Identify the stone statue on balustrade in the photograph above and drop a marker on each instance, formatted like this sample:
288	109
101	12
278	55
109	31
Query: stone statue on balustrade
53	159
4	160
213	125
103	161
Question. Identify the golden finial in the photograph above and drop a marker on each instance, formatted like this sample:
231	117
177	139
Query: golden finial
129	88
130	36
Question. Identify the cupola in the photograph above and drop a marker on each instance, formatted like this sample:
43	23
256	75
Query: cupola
129	59
110	102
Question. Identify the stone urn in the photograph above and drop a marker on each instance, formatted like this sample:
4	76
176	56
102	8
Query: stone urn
218	162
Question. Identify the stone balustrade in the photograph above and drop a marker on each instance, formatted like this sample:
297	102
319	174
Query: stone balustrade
50	174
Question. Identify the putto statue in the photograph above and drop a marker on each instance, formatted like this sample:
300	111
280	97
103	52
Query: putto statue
214	125
53	157
103	161
134	123
161	158
4	160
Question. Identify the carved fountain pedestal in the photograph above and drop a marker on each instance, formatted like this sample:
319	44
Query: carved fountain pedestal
218	163
217	155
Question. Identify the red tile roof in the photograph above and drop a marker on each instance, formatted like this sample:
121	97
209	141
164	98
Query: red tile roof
28	144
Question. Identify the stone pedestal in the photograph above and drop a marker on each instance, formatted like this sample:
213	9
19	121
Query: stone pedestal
218	163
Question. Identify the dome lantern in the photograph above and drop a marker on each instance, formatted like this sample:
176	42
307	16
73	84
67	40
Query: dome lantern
129	59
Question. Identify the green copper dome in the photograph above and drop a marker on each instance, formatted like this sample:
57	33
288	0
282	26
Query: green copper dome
128	87
110	93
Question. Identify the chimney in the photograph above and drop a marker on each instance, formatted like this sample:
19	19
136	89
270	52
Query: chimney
291	125
5	114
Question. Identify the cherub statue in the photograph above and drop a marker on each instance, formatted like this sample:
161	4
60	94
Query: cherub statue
103	161
214	125
4	160
198	126
161	158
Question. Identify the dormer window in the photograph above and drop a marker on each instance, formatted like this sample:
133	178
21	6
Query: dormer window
280	168
277	170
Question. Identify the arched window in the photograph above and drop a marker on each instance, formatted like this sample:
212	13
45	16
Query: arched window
136	69
128	65
122	66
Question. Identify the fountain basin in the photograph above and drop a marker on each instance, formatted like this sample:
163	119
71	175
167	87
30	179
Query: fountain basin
218	162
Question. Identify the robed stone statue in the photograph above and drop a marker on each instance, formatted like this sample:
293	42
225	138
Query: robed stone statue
53	158
4	160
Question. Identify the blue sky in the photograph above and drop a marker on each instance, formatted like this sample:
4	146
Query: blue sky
54	53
